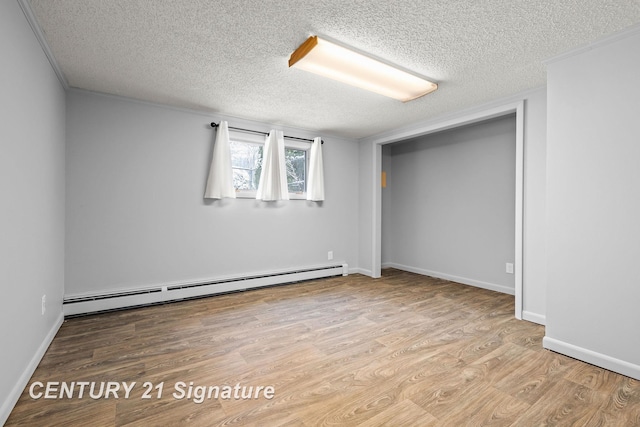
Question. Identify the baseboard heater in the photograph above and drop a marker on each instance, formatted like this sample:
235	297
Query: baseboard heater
85	304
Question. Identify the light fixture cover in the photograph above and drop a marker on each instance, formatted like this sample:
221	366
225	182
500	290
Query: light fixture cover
339	63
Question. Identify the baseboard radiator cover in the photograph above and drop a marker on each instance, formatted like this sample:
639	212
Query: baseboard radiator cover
94	303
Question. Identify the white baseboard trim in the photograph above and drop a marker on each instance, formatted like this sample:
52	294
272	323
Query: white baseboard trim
592	357
361	271
23	381
464	280
534	317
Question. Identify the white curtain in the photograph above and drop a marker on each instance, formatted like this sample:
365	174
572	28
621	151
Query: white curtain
220	180
315	184
273	177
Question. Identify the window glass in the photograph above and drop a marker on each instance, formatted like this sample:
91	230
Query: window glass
246	162
296	169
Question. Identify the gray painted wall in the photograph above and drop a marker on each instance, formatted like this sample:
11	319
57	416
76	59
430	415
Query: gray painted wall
366	215
32	137
136	216
449	205
534	268
534	190
593	205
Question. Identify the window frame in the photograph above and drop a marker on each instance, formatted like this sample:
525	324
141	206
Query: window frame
256	139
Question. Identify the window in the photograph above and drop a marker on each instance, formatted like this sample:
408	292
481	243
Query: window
246	161
296	160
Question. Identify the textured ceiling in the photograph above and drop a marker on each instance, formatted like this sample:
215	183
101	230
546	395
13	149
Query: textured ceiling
230	56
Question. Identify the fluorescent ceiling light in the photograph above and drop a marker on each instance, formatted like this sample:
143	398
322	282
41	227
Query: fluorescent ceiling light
336	62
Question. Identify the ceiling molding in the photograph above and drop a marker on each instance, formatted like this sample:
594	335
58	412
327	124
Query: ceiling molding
35	27
210	115
620	35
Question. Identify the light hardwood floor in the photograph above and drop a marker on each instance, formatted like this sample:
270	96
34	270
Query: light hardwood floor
402	350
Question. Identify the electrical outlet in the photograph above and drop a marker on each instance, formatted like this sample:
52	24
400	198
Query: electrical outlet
44	304
330	255
509	268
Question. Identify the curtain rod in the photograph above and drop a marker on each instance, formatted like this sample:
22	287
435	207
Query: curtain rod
215	125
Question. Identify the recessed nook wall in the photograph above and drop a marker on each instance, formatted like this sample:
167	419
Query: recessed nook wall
449	205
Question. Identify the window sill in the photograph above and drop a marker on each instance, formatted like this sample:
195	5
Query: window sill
252	195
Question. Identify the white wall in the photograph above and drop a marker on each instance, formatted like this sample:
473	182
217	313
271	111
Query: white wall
136	214
32	137
386	208
367	178
593	204
450	204
534	275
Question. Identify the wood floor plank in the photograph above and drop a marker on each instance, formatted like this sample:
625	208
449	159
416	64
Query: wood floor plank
403	349
404	413
538	370
622	405
566	403
481	405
